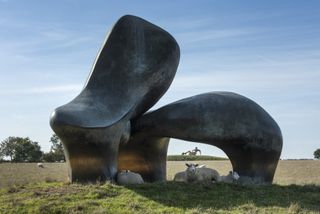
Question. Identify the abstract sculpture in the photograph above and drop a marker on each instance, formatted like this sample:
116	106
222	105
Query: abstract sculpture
104	129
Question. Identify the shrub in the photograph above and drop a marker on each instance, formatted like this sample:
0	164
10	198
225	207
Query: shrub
317	154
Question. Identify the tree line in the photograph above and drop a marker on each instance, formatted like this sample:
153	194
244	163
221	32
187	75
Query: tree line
19	149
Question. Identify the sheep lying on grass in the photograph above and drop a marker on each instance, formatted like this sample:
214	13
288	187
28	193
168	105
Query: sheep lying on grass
230	178
40	165
194	173
180	177
128	177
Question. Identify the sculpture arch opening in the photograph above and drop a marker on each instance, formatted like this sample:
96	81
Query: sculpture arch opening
177	147
148	157
222	166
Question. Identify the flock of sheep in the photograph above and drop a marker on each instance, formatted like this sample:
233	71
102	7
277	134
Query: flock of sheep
193	173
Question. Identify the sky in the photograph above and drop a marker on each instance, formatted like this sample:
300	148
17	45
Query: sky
268	51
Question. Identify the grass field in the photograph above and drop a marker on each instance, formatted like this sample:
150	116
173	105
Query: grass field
20	192
288	172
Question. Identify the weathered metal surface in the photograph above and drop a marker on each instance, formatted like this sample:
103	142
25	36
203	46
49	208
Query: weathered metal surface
237	125
103	129
134	68
145	155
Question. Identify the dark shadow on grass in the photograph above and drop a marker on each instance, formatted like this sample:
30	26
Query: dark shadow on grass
228	196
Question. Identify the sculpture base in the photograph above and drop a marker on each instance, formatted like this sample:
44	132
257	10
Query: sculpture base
146	156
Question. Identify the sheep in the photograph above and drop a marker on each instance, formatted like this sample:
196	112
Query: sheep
40	165
128	177
180	177
230	178
194	173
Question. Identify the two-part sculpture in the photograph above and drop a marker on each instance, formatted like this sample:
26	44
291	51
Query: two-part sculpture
107	128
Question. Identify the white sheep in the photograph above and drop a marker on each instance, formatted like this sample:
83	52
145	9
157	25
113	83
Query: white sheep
40	165
128	177
182	176
230	178
194	173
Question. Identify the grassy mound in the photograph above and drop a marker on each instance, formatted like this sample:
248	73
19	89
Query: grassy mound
169	197
193	158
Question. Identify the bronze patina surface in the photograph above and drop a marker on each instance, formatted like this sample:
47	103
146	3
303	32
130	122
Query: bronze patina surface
105	128
134	68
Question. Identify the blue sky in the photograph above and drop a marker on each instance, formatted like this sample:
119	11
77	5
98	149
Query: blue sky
268	51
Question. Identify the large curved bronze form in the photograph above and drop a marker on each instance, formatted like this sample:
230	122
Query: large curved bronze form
104	129
134	68
241	128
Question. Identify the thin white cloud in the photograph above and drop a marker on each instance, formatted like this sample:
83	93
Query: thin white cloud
278	91
43	90
207	35
186	23
248	80
40	38
55	34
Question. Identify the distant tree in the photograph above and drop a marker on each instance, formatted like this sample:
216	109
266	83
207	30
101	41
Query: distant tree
49	157
27	151
56	152
7	147
57	147
20	149
316	154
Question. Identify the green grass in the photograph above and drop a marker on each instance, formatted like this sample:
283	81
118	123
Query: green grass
193	158
23	173
23	190
301	172
169	197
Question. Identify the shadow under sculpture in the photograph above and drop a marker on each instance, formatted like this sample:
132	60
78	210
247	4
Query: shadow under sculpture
103	129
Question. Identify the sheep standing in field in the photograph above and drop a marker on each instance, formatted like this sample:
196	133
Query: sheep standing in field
40	165
128	177
230	178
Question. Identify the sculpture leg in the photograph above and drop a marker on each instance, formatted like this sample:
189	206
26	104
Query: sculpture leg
254	165
91	154
145	155
90	162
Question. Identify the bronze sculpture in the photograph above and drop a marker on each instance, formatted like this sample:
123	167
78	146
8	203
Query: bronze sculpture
104	129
